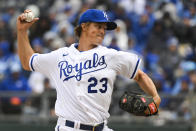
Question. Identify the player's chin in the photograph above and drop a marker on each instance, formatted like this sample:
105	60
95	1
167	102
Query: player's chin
98	42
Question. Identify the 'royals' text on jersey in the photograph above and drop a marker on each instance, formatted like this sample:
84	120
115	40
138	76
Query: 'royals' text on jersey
96	63
84	80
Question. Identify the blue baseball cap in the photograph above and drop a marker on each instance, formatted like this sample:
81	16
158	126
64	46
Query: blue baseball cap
95	15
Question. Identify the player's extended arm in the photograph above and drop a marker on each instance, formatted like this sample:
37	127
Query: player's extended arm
24	49
147	85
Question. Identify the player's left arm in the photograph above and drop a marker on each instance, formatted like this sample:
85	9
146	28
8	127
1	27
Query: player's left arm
147	86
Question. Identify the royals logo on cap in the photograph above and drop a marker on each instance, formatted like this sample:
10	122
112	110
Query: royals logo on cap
105	15
95	15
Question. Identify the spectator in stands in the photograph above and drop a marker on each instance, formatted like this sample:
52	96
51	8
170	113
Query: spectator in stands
182	86
142	26
114	45
157	38
119	35
4	55
52	99
170	59
151	62
192	76
15	82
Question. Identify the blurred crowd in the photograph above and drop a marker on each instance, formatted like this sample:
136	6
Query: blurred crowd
162	32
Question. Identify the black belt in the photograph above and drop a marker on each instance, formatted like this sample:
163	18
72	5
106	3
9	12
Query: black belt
98	127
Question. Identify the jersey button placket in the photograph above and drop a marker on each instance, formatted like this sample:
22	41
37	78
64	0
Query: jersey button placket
77	92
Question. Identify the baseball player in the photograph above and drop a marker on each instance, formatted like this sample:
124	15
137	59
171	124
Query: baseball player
83	73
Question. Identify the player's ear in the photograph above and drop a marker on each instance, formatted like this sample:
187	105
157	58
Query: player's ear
85	26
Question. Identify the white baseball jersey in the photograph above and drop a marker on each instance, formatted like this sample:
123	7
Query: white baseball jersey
84	80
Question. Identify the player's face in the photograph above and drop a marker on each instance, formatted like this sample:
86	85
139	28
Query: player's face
96	32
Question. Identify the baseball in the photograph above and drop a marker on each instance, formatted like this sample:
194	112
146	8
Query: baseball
29	16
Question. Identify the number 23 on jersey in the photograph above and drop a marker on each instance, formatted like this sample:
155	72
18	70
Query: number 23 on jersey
93	83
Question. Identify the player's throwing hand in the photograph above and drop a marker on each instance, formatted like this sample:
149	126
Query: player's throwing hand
22	24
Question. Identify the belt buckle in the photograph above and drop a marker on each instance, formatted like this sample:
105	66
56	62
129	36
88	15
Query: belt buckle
95	127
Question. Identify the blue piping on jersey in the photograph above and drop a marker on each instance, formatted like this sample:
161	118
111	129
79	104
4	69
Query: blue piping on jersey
32	62
76	46
135	68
